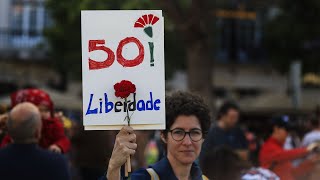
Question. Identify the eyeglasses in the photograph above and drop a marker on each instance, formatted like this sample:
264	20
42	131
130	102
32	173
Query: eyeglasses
179	134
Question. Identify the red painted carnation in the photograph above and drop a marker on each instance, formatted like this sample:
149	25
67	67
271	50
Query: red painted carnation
124	88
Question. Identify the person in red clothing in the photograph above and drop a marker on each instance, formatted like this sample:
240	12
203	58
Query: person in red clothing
53	137
274	157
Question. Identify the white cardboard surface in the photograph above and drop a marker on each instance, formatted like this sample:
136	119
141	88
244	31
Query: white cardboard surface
112	27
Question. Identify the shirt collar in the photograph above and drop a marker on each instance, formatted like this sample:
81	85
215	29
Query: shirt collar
165	171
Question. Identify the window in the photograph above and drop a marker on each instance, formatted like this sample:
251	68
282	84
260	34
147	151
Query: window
238	35
28	17
236	40
16	23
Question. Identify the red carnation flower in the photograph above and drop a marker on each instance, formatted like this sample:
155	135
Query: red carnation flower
124	89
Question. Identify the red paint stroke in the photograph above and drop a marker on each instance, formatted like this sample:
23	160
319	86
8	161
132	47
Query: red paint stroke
145	18
140	20
138	25
134	62
94	65
150	17
154	20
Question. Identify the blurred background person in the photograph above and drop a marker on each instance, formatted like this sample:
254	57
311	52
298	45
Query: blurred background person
3	124
3	120
154	151
273	156
226	132
53	137
314	134
224	163
23	159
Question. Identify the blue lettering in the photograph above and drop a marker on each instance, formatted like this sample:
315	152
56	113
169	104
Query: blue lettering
100	105
157	108
89	110
141	105
108	105
133	105
149	102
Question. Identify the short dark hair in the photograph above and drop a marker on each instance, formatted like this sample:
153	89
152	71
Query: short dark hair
315	121
185	103
226	107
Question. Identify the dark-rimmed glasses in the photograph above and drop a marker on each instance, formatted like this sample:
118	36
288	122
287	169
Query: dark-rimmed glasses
178	134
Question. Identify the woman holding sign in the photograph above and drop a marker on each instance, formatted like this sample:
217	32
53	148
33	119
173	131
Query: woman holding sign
187	121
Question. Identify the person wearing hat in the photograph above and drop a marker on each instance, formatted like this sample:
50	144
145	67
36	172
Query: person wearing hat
274	157
53	137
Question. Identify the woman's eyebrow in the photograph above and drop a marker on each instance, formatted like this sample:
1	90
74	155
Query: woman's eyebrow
189	129
196	129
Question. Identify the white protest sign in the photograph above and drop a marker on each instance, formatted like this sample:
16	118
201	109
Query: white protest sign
123	45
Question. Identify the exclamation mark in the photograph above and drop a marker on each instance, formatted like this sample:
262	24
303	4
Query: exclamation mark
151	47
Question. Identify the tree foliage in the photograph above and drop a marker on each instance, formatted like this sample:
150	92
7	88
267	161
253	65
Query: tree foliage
64	36
294	34
187	33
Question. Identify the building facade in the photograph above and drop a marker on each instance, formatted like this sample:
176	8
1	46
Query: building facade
21	29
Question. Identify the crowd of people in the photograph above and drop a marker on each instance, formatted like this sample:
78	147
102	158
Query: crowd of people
35	144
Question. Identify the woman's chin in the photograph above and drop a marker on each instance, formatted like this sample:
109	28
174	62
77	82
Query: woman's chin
187	160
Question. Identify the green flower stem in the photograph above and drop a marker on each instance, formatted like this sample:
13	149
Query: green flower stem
128	117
